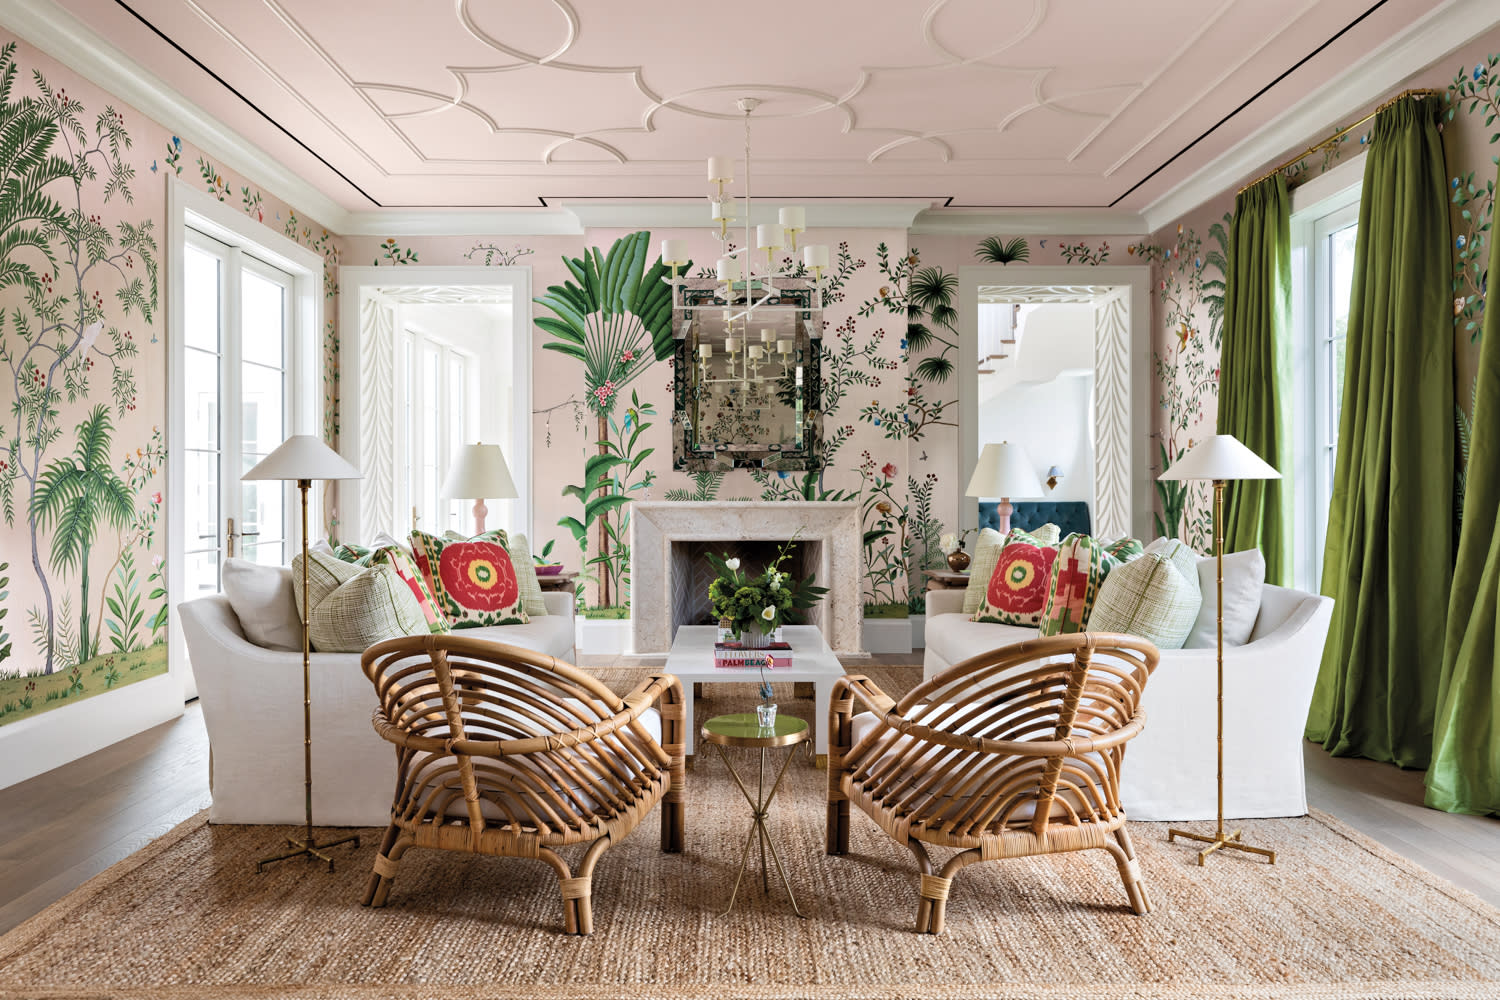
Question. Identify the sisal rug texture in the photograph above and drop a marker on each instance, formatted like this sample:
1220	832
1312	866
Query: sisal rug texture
1337	918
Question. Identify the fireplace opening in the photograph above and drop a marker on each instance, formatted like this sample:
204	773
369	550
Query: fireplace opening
692	573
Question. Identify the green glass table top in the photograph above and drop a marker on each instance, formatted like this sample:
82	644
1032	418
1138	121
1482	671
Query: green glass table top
744	730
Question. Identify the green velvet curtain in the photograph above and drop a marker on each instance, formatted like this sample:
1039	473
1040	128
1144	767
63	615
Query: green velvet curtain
1465	771
1388	558
1257	310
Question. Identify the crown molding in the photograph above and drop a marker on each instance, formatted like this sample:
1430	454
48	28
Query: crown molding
1062	221
1381	71
863	213
463	222
65	38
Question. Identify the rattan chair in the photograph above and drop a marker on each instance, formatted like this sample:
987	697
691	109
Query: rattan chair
507	752
1012	753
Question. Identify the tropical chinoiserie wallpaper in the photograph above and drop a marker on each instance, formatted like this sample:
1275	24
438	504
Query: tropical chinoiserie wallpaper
83	592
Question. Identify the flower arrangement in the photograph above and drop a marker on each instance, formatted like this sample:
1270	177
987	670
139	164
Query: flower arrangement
758	606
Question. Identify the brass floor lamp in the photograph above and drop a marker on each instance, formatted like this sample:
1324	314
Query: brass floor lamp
303	458
1220	458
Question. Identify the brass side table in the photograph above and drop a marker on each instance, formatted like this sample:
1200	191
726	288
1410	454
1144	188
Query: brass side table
745	731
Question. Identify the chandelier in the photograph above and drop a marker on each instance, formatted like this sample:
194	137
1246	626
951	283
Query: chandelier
738	269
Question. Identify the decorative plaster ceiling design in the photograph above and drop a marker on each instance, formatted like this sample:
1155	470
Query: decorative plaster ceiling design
963	103
446	294
1040	294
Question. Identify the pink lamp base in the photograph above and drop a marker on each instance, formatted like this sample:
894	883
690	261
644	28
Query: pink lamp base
1005	510
480	512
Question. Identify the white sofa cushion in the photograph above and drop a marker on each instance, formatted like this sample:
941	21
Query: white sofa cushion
957	638
265	603
1244	576
551	635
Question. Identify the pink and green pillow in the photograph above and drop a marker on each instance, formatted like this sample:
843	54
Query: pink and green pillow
1017	590
404	565
1080	568
474	581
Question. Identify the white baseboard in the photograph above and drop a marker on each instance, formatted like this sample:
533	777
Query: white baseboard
35	745
603	636
888	635
918	631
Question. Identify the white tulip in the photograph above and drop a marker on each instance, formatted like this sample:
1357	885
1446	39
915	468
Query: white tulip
733	564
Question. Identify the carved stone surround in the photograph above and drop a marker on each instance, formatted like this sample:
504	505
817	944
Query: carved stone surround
657	556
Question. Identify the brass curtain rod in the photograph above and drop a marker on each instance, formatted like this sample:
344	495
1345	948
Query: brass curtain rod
1427	92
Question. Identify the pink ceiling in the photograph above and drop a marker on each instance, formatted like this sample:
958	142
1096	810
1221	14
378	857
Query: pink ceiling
1009	103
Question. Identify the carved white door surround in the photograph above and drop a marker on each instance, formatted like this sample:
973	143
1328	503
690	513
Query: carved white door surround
368	302
1121	296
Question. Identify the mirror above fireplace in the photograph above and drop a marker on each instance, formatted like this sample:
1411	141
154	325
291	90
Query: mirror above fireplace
747	388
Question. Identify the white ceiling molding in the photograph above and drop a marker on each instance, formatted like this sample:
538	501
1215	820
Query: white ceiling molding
463	222
71	42
865	213
1040	221
1382	70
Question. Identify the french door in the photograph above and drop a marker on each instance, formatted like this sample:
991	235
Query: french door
238	363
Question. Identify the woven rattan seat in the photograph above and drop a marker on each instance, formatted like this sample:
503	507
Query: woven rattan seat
1012	753
511	753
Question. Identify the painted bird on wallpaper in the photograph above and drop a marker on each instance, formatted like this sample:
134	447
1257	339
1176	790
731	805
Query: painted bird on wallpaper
1184	334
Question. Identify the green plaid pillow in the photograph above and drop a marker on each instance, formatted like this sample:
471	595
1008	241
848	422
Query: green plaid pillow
1081	565
369	607
325	574
531	590
1150	598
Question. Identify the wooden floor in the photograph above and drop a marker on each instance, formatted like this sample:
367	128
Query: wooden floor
59	829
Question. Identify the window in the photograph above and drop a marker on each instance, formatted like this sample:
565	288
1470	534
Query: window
1324	236
437	406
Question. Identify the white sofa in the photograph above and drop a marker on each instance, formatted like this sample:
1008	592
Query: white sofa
1169	768
252	709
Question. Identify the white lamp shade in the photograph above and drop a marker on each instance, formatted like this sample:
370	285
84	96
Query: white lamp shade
303	456
793	217
674	252
1220	457
479	472
1004	470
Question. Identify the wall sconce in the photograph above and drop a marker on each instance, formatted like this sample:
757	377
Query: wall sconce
1053	475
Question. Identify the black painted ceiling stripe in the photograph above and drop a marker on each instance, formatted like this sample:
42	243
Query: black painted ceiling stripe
1252	99
248	103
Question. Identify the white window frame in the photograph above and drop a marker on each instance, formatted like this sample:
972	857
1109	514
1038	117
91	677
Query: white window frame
1320	207
188	208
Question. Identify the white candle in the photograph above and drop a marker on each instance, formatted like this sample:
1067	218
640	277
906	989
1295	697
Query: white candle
755	352
815	256
728	269
783	347
705	351
767	336
674	252
721	168
769	236
793	218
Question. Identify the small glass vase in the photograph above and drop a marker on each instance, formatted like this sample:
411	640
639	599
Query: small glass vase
765	715
753	638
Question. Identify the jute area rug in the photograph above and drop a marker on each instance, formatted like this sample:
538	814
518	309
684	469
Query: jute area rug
1337	918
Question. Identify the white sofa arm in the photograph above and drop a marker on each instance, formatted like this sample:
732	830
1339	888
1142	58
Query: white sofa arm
944	602
559	602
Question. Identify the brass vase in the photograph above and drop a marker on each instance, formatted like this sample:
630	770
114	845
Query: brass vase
958	559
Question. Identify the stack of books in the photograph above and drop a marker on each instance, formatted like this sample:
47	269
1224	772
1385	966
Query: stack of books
734	656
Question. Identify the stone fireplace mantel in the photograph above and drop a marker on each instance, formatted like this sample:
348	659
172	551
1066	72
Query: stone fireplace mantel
832	528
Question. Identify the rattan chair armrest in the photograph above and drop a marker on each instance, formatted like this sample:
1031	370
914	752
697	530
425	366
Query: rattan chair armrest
1013	748
864	691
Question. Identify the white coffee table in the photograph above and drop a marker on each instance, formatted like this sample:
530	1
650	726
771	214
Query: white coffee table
692	661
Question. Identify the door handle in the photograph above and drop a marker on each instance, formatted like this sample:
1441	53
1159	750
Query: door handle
229	537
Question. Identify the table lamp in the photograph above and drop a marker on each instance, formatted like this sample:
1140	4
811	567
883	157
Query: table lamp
1004	471
303	458
1220	458
479	471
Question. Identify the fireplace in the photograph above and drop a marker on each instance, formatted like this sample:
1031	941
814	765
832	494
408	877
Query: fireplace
669	576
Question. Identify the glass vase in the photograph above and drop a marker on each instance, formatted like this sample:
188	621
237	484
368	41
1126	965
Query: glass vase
753	638
765	715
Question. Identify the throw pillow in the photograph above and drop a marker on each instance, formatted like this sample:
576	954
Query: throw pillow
1181	554
1017	591
265	603
1147	597
986	552
1047	534
474	581
1244	576
1081	565
405	567
359	555
531	590
325	574
369	607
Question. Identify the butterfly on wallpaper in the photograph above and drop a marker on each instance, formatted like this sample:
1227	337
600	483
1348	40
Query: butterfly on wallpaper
923	457
153	166
1042	244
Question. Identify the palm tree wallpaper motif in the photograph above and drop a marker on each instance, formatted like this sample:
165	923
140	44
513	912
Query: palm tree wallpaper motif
80	295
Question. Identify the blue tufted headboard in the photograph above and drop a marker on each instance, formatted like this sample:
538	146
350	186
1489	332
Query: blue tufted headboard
1068	515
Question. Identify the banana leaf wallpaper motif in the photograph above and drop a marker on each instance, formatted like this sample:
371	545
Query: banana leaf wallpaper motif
83	587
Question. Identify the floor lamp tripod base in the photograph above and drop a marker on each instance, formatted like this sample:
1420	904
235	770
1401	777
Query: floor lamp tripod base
307	848
1229	841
